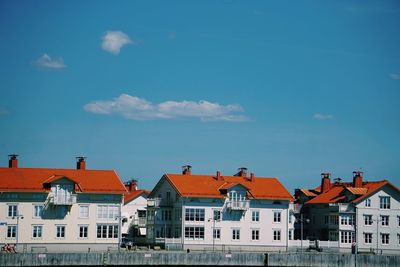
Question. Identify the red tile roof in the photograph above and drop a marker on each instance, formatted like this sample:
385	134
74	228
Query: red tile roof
131	195
335	193
209	186
87	181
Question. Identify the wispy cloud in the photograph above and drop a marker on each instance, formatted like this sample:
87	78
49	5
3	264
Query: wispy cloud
45	61
323	117
135	108
113	41
395	76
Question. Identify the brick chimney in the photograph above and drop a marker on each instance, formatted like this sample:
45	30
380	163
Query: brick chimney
251	176
12	161
218	176
242	172
186	170
325	182
357	179
131	185
80	163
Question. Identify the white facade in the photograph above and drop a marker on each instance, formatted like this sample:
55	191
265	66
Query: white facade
378	222
61	220
134	219
238	223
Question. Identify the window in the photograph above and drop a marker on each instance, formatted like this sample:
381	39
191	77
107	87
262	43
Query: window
334	219
255	216
346	237
37	231
166	215
217	234
385	239
83	231
217	215
107	211
255	234
333	236
83	211
37	211
398	221
194	215
236	234
385	220
168	196
277	216
367	238
290	234
11	231
60	231
346	219
368	219
398	239
12	210
194	232
277	235
107	231
368	202
384	203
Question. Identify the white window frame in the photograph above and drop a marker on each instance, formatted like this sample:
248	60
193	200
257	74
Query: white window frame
255	216
385	220
217	233
12	210
385	241
217	215
37	208
13	233
368	221
384	203
255	234
276	235
38	230
84	214
235	234
107	212
111	231
368	237
277	217
83	226
60	231
368	203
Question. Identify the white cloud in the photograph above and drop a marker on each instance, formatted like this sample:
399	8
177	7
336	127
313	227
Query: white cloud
322	117
113	41
45	61
395	76
135	108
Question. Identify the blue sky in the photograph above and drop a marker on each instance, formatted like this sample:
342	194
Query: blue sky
288	89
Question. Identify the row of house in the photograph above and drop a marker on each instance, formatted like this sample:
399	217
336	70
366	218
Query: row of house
49	210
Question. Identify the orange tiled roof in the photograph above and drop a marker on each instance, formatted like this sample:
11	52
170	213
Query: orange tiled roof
87	181
335	193
131	195
308	193
209	186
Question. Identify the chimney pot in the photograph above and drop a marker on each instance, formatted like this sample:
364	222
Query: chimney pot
218	177
242	172
186	170
12	161
325	182
251	176
80	163
357	179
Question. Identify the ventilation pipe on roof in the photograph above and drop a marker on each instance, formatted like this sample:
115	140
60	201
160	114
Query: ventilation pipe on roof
80	163
12	161
325	182
186	170
251	176
357	179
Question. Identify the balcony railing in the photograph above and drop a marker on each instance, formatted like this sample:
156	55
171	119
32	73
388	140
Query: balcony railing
153	202
238	204
141	221
63	199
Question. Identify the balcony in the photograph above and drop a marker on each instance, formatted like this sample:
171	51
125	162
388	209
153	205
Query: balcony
238	204
153	202
341	207
62	199
141	221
